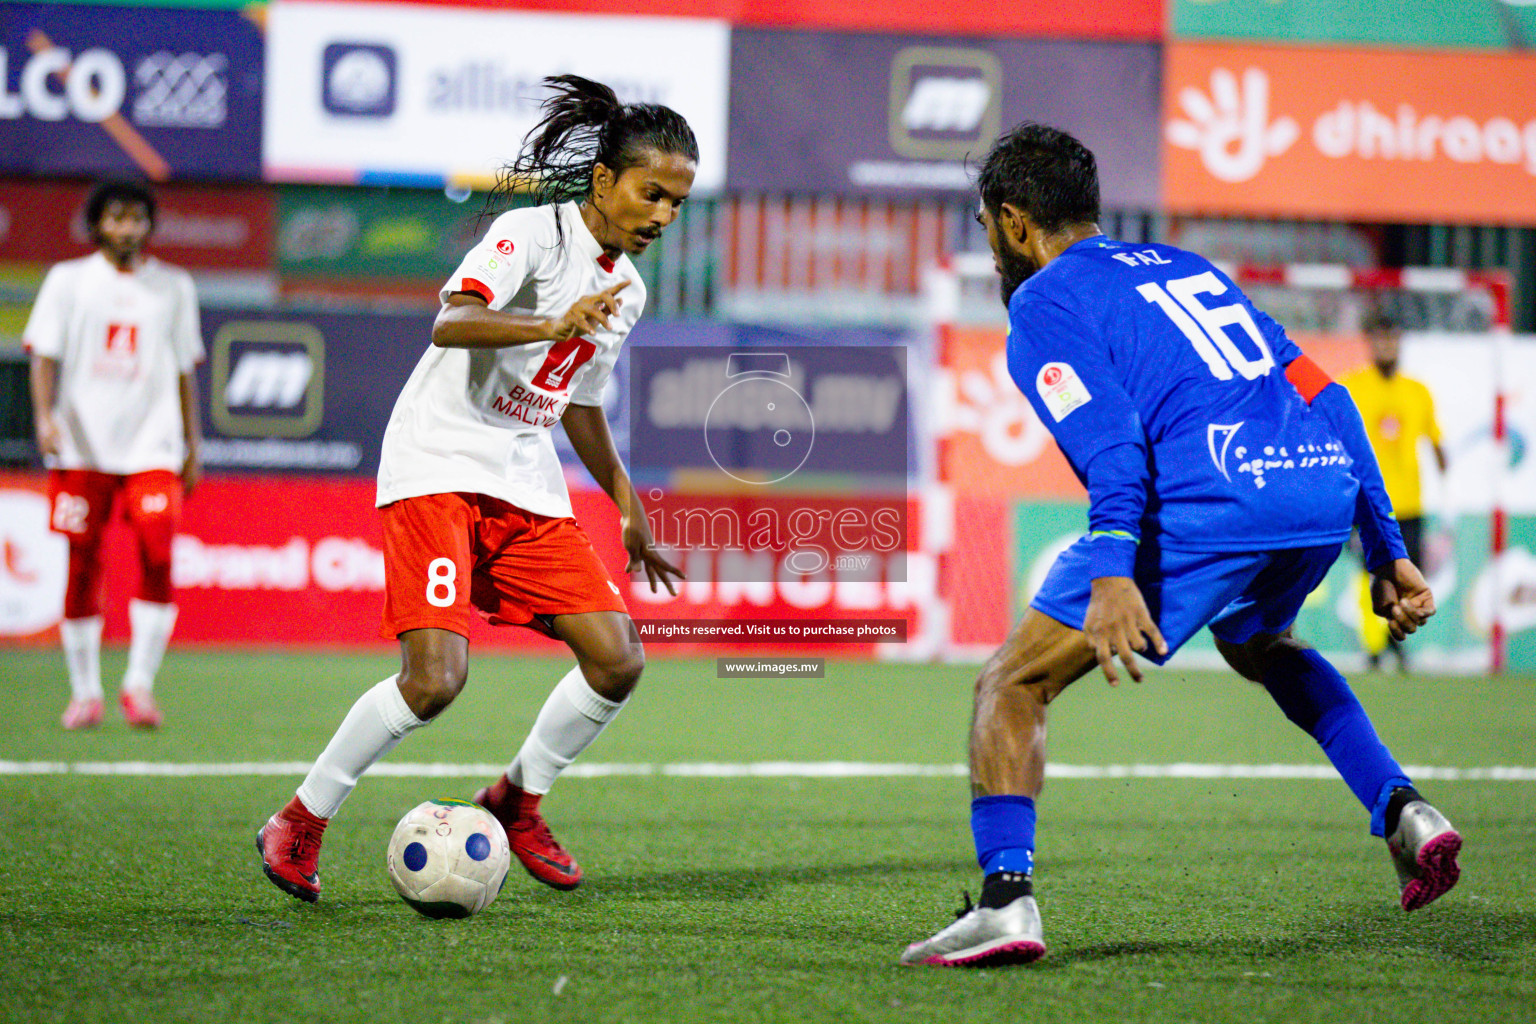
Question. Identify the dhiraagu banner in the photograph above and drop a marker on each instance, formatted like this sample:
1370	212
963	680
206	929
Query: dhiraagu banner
1482	24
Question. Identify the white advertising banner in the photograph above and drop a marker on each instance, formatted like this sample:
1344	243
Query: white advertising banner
417	94
1460	374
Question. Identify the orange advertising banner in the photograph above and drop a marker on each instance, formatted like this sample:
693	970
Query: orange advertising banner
1350	134
991	442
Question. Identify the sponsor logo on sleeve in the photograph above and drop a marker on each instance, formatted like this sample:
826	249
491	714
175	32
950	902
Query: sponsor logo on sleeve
504	247
1061	389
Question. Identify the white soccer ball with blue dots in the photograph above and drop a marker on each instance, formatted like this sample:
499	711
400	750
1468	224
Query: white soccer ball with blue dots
448	858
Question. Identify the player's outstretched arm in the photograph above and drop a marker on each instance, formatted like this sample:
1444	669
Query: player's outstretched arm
466	321
587	428
1118	622
1379	532
1400	595
192	433
44	382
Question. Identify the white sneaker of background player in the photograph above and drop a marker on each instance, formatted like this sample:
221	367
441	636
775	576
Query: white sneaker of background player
983	936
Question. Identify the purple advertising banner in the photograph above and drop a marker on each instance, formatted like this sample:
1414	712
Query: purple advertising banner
303	393
312	393
909	116
130	91
761	414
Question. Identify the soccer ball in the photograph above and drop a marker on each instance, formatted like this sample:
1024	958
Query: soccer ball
448	858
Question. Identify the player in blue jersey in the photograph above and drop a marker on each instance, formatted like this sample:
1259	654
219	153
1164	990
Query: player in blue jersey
1224	471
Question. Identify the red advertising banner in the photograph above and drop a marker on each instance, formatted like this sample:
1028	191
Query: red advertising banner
200	227
1341	134
1107	19
256	560
298	561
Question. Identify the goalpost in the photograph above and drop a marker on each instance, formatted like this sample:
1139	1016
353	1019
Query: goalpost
1322	307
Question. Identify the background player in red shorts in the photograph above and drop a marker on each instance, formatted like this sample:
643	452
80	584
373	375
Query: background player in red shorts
475	508
115	340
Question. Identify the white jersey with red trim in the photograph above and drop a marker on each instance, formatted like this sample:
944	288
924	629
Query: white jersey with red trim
122	340
479	420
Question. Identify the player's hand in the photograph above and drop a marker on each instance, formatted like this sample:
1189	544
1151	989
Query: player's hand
642	554
590	313
191	471
1117	622
1400	595
47	436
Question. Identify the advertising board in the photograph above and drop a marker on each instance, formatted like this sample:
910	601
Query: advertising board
413	94
131	91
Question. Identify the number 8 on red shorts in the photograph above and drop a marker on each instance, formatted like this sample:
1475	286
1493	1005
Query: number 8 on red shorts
446	553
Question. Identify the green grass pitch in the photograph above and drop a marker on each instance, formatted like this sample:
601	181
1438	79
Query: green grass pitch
769	899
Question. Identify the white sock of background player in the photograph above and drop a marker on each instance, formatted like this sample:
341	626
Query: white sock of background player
81	640
151	625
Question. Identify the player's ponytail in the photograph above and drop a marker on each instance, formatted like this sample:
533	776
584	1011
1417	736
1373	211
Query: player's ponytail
585	124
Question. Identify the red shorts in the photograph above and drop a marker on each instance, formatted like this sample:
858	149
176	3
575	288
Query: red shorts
81	501
446	553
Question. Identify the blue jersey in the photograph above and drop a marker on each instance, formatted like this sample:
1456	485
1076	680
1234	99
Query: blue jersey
1166	390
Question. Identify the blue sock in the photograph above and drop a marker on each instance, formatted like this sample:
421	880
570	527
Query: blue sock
1004	829
1314	696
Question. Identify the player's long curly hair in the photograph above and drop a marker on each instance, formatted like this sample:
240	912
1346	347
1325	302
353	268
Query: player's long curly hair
1043	171
107	192
584	125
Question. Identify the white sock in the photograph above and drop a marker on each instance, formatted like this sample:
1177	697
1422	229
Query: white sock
376	724
569	721
151	625
81	639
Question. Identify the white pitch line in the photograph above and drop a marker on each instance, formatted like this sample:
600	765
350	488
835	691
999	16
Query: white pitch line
754	770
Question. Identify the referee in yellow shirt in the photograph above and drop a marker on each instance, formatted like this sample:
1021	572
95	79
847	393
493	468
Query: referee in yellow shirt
1397	411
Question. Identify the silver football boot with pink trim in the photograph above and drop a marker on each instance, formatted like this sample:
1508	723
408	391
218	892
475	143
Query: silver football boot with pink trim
1424	849
985	937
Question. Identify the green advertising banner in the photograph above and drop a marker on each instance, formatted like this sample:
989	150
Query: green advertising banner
373	233
1480	24
1456	564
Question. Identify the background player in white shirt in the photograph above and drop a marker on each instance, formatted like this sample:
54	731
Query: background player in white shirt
115	341
474	503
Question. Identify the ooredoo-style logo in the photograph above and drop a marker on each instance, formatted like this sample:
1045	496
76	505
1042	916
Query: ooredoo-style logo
1230	128
32	564
358	79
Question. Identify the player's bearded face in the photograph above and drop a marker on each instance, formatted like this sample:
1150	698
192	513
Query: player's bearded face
123	229
1014	268
643	201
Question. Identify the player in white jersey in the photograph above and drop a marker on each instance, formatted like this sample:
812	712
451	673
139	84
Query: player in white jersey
475	509
115	341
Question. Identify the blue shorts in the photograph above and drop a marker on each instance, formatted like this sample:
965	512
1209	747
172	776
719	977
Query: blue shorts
1239	594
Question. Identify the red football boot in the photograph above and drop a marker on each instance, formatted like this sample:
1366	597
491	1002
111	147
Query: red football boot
289	845
82	714
528	835
139	710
